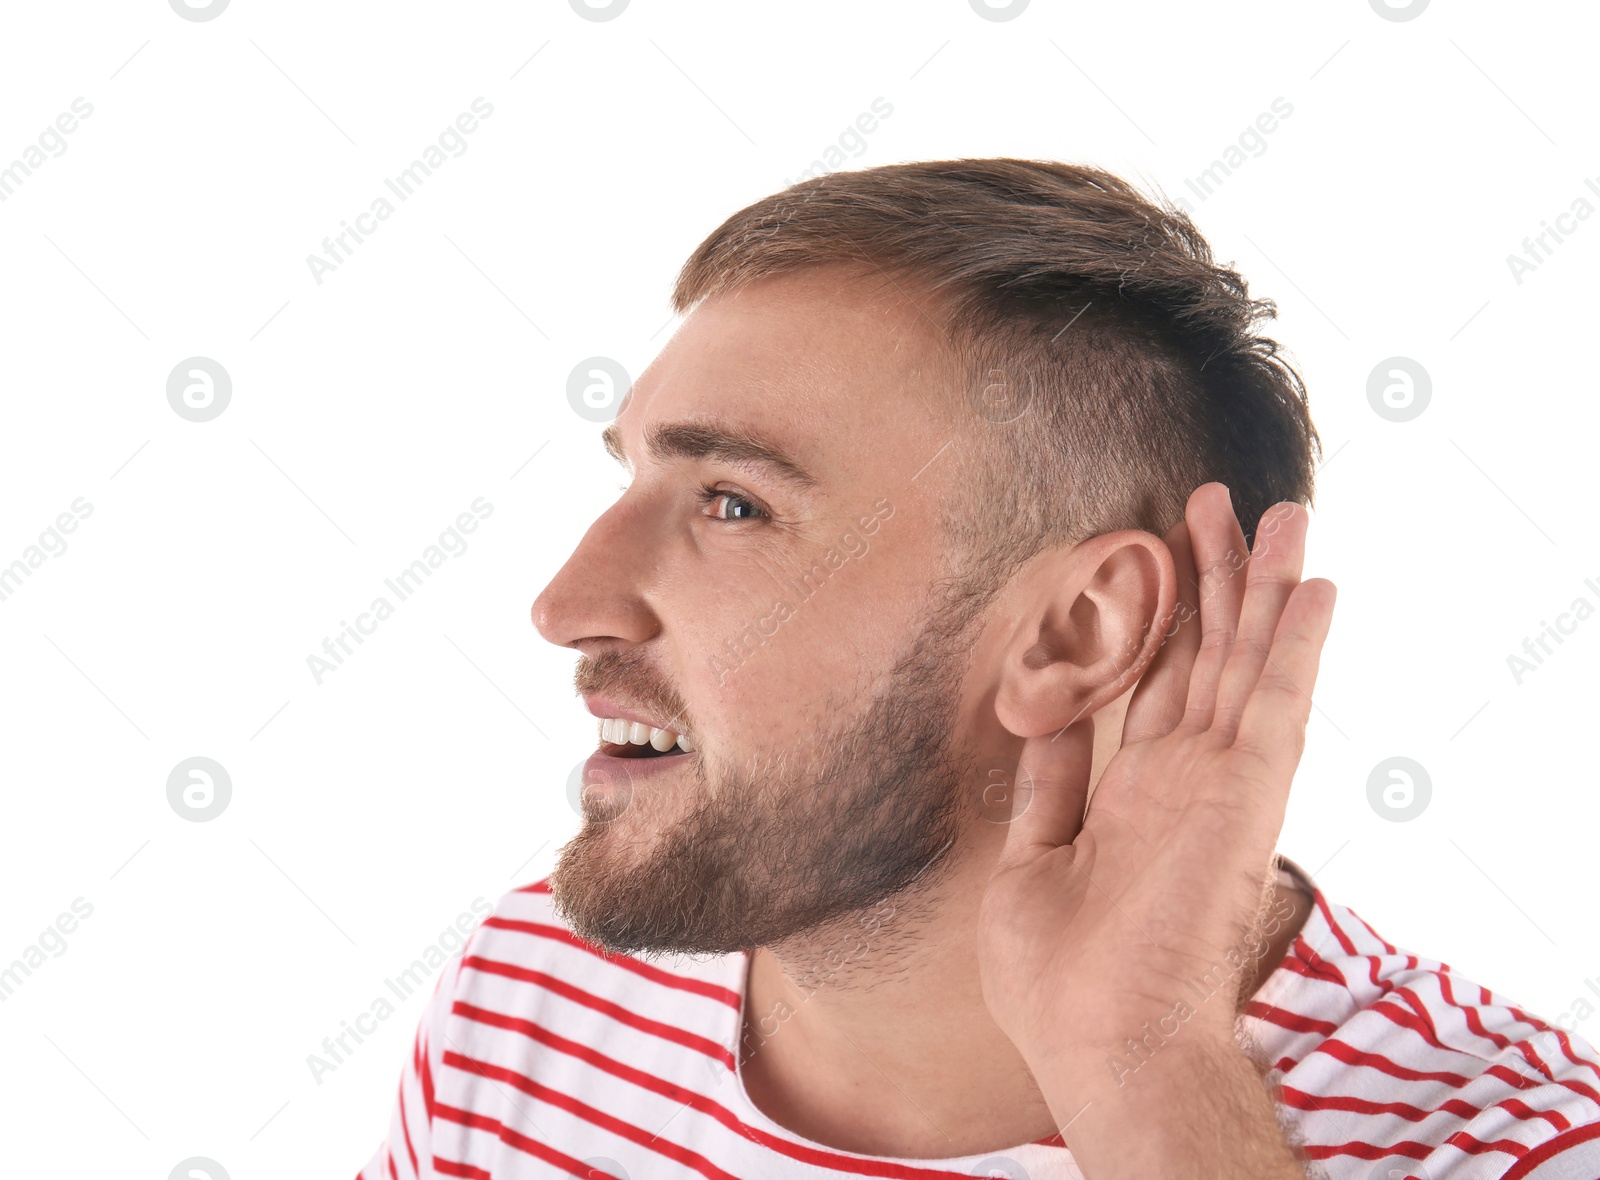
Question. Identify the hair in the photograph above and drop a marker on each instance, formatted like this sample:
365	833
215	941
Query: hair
1106	364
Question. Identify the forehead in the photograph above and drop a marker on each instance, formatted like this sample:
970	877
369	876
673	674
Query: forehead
843	371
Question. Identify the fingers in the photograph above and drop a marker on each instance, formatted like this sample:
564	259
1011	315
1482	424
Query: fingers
1157	704
1275	566
1052	785
1220	558
1273	725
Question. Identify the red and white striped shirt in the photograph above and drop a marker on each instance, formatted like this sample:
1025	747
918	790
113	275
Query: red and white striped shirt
540	1058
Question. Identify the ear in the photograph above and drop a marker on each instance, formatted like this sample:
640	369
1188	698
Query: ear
1088	629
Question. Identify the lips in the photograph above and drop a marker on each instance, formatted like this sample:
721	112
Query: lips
615	769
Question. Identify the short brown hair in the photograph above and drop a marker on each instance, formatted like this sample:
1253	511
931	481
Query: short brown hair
1109	364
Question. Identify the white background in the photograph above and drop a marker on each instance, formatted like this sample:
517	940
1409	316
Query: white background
371	409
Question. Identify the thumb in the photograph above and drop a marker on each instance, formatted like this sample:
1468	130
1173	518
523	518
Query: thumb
1051	790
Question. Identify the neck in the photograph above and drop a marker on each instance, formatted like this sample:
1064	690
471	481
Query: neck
888	1008
872	1035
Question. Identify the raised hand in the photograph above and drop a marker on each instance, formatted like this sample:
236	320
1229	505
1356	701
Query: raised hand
1094	923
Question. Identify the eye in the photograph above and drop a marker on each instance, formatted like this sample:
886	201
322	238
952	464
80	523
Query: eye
730	506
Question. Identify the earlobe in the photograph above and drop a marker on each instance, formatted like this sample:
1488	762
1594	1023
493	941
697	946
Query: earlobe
1091	621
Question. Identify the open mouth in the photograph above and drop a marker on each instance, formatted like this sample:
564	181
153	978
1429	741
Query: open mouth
629	750
620	738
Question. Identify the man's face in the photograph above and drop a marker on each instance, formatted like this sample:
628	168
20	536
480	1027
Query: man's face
786	620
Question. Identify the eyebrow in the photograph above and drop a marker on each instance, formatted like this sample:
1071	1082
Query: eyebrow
696	440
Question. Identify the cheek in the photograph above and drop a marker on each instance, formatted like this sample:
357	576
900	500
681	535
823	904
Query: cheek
796	637
770	646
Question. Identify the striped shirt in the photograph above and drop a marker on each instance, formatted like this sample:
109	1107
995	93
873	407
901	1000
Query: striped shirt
538	1057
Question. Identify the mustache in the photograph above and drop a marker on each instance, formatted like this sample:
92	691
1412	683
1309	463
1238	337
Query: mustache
631	677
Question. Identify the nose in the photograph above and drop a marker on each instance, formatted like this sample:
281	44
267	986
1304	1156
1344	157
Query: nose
600	593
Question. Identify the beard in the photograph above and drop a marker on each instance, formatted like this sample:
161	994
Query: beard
797	842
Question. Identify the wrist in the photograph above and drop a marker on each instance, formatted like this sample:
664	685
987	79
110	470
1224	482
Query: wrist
1194	1106
1113	1050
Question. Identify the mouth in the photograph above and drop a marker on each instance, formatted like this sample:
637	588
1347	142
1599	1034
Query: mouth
620	738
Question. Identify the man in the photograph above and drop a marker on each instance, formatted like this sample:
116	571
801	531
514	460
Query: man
934	526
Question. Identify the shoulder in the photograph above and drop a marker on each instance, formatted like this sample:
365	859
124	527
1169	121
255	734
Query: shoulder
527	1015
1382	1054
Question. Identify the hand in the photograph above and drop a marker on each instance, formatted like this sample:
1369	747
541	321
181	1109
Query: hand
1093	924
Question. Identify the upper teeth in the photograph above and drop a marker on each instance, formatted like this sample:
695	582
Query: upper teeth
621	732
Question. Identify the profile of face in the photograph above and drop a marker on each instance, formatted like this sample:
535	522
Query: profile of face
781	605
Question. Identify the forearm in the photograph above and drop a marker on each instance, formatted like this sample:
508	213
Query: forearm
1192	1109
